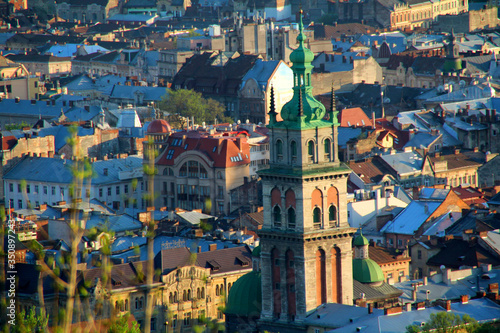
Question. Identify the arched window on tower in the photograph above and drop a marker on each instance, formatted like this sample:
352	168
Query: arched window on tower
279	150
310	150
317	218
332	215
293	150
291	218
277	216
328	149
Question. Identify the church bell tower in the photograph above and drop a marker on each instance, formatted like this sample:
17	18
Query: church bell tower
306	251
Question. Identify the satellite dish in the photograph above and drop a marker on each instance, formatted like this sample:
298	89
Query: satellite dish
462	83
387	100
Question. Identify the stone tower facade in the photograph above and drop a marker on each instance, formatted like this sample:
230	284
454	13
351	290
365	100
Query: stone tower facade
306	252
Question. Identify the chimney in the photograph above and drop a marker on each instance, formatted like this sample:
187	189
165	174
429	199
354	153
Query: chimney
212	247
408	307
238	144
421	306
488	115
199	249
425	280
476	149
393	311
457	151
370	308
447	305
373	120
415	193
464	299
414	292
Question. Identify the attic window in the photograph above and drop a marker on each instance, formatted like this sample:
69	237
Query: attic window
185	146
214	265
170	154
213	150
242	261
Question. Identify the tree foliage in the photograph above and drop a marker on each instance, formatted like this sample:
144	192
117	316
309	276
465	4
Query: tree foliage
30	322
181	104
446	322
121	325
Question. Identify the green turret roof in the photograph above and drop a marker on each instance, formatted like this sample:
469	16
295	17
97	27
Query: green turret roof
361	240
366	271
245	296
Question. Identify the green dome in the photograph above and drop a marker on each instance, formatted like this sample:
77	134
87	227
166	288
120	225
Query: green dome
301	54
361	240
256	252
245	296
366	271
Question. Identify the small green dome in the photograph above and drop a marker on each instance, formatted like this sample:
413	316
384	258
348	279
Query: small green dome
301	54
366	271
361	240
256	252
245	296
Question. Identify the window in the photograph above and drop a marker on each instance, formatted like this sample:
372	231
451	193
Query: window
187	319
174	321
291	218
419	254
328	148
279	149
332	213
118	190
36	188
153	324
100	193
20	204
61	189
293	149
109	191
389	275
45	190
11	187
19	189
220	192
125	188
220	315
277	216
183	170
310	150
53	190
401	273
317	218
400	242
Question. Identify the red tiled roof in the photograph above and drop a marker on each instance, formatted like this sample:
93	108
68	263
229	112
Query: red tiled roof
223	151
227	260
370	171
354	117
382	256
456	161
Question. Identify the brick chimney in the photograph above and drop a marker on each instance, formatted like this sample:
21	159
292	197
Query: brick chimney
393	311
212	247
421	306
447	305
415	193
464	299
370	308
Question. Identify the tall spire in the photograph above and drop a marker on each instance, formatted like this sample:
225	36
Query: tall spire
332	113
311	109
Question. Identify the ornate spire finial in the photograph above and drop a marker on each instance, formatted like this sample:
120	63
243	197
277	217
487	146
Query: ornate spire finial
272	108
